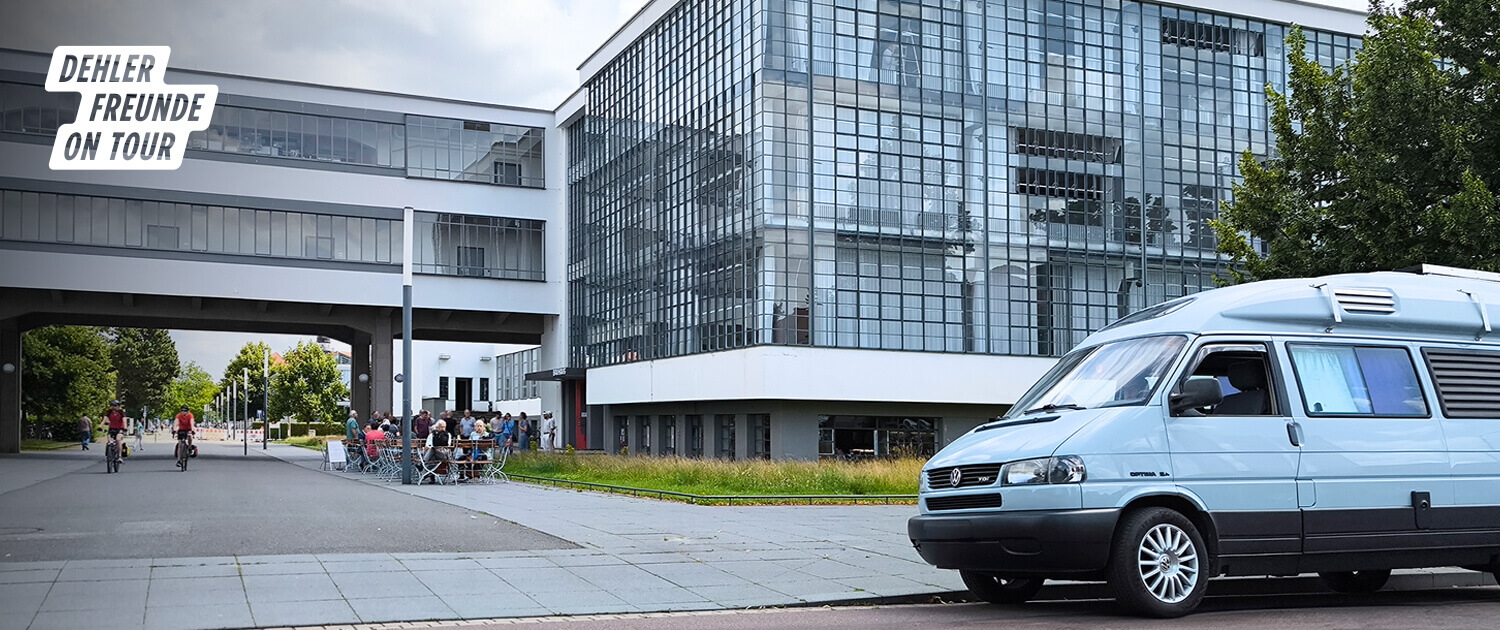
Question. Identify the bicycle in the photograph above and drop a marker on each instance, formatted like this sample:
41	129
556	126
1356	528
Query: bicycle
111	456
183	452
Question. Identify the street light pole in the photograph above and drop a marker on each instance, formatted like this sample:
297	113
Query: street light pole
406	264
265	405
246	398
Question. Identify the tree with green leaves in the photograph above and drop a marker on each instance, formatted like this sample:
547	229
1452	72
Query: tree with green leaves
306	385
1389	161
145	361
251	357
193	387
65	373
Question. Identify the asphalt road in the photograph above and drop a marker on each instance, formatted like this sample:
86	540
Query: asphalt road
231	504
1449	609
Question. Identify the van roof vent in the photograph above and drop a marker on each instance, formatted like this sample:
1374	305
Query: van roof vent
1376	301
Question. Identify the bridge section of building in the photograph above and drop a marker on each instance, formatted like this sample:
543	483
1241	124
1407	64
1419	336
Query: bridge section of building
287	216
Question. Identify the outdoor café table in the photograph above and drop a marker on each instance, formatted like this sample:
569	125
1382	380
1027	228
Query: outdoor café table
468	467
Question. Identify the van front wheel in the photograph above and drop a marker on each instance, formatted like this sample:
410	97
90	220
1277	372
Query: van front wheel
998	590
1356	581
1157	563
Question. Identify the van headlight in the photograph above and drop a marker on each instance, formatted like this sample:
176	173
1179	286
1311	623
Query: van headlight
1065	469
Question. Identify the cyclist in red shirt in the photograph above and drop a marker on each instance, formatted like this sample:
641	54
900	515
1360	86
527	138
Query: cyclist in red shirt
185	427
116	417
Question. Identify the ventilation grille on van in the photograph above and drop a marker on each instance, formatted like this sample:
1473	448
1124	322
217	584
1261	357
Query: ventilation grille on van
1468	381
965	502
1378	301
976	475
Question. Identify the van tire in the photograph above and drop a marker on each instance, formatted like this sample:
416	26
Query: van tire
1356	581
999	590
1156	590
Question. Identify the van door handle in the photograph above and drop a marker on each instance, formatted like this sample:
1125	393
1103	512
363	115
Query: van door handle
1294	433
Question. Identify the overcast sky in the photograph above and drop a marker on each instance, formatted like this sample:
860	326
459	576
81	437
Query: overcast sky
509	52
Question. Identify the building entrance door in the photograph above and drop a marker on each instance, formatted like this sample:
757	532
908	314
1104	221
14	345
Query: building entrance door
463	396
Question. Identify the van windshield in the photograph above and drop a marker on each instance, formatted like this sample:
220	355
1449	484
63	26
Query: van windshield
1107	375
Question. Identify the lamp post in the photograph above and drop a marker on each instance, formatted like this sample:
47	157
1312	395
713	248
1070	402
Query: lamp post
246	398
265	405
406	264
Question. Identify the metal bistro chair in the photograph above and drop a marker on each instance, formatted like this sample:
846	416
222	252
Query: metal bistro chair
354	453
390	461
439	470
494	470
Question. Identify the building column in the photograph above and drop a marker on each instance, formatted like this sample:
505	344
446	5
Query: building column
359	392
10	387
382	373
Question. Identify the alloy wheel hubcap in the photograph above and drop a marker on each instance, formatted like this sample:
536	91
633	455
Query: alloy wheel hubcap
1168	563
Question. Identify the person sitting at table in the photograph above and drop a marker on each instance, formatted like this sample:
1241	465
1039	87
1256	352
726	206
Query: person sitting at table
371	437
481	432
437	443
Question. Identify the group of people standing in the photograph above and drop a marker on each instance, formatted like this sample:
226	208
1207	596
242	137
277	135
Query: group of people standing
509	432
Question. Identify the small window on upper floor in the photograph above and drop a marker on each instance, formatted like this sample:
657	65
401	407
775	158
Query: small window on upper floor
1357	380
1244	375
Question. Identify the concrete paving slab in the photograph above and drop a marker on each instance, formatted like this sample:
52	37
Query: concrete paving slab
195	571
556	579
96	595
384	609
303	613
733	595
190	596
495	607
126	618
287	568
201	616
18	600
582	603
71	573
290	588
33	575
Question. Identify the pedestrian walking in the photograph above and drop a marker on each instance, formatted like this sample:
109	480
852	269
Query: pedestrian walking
140	437
549	431
85	431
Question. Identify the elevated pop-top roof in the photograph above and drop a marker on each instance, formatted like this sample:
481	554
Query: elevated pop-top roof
1425	302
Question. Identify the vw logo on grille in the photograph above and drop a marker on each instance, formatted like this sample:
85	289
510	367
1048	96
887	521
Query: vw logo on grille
954	477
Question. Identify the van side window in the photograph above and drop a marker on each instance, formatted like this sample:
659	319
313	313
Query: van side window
1357	381
1468	381
1244	375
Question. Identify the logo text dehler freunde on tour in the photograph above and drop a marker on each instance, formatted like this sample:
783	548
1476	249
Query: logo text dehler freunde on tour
128	117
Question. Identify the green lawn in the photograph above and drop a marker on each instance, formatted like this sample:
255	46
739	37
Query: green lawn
719	477
45	445
311	443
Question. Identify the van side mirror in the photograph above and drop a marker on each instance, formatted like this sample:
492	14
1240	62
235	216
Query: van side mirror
1197	393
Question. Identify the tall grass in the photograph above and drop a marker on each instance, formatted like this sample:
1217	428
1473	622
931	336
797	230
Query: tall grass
720	477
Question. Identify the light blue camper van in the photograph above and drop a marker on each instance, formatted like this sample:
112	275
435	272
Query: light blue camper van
1345	425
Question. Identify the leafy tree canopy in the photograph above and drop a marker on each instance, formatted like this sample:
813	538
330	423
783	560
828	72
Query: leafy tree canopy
145	361
193	387
65	373
307	385
1389	161
251	357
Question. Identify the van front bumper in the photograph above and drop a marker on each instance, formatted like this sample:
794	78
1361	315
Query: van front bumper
1022	543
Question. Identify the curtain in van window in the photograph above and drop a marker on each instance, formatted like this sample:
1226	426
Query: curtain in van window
1330	380
1391	382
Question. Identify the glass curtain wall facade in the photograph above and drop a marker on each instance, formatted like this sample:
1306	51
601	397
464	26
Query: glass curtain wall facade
980	176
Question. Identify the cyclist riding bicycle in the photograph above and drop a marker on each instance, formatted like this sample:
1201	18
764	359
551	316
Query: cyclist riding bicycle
116	418
185	427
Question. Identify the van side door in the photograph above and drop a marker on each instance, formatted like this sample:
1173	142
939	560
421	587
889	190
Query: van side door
1238	457
1467	382
1372	449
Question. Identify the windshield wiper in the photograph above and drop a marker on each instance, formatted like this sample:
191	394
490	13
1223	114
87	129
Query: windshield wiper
1052	407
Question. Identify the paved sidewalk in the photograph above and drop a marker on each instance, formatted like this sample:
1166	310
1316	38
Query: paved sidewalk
636	555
